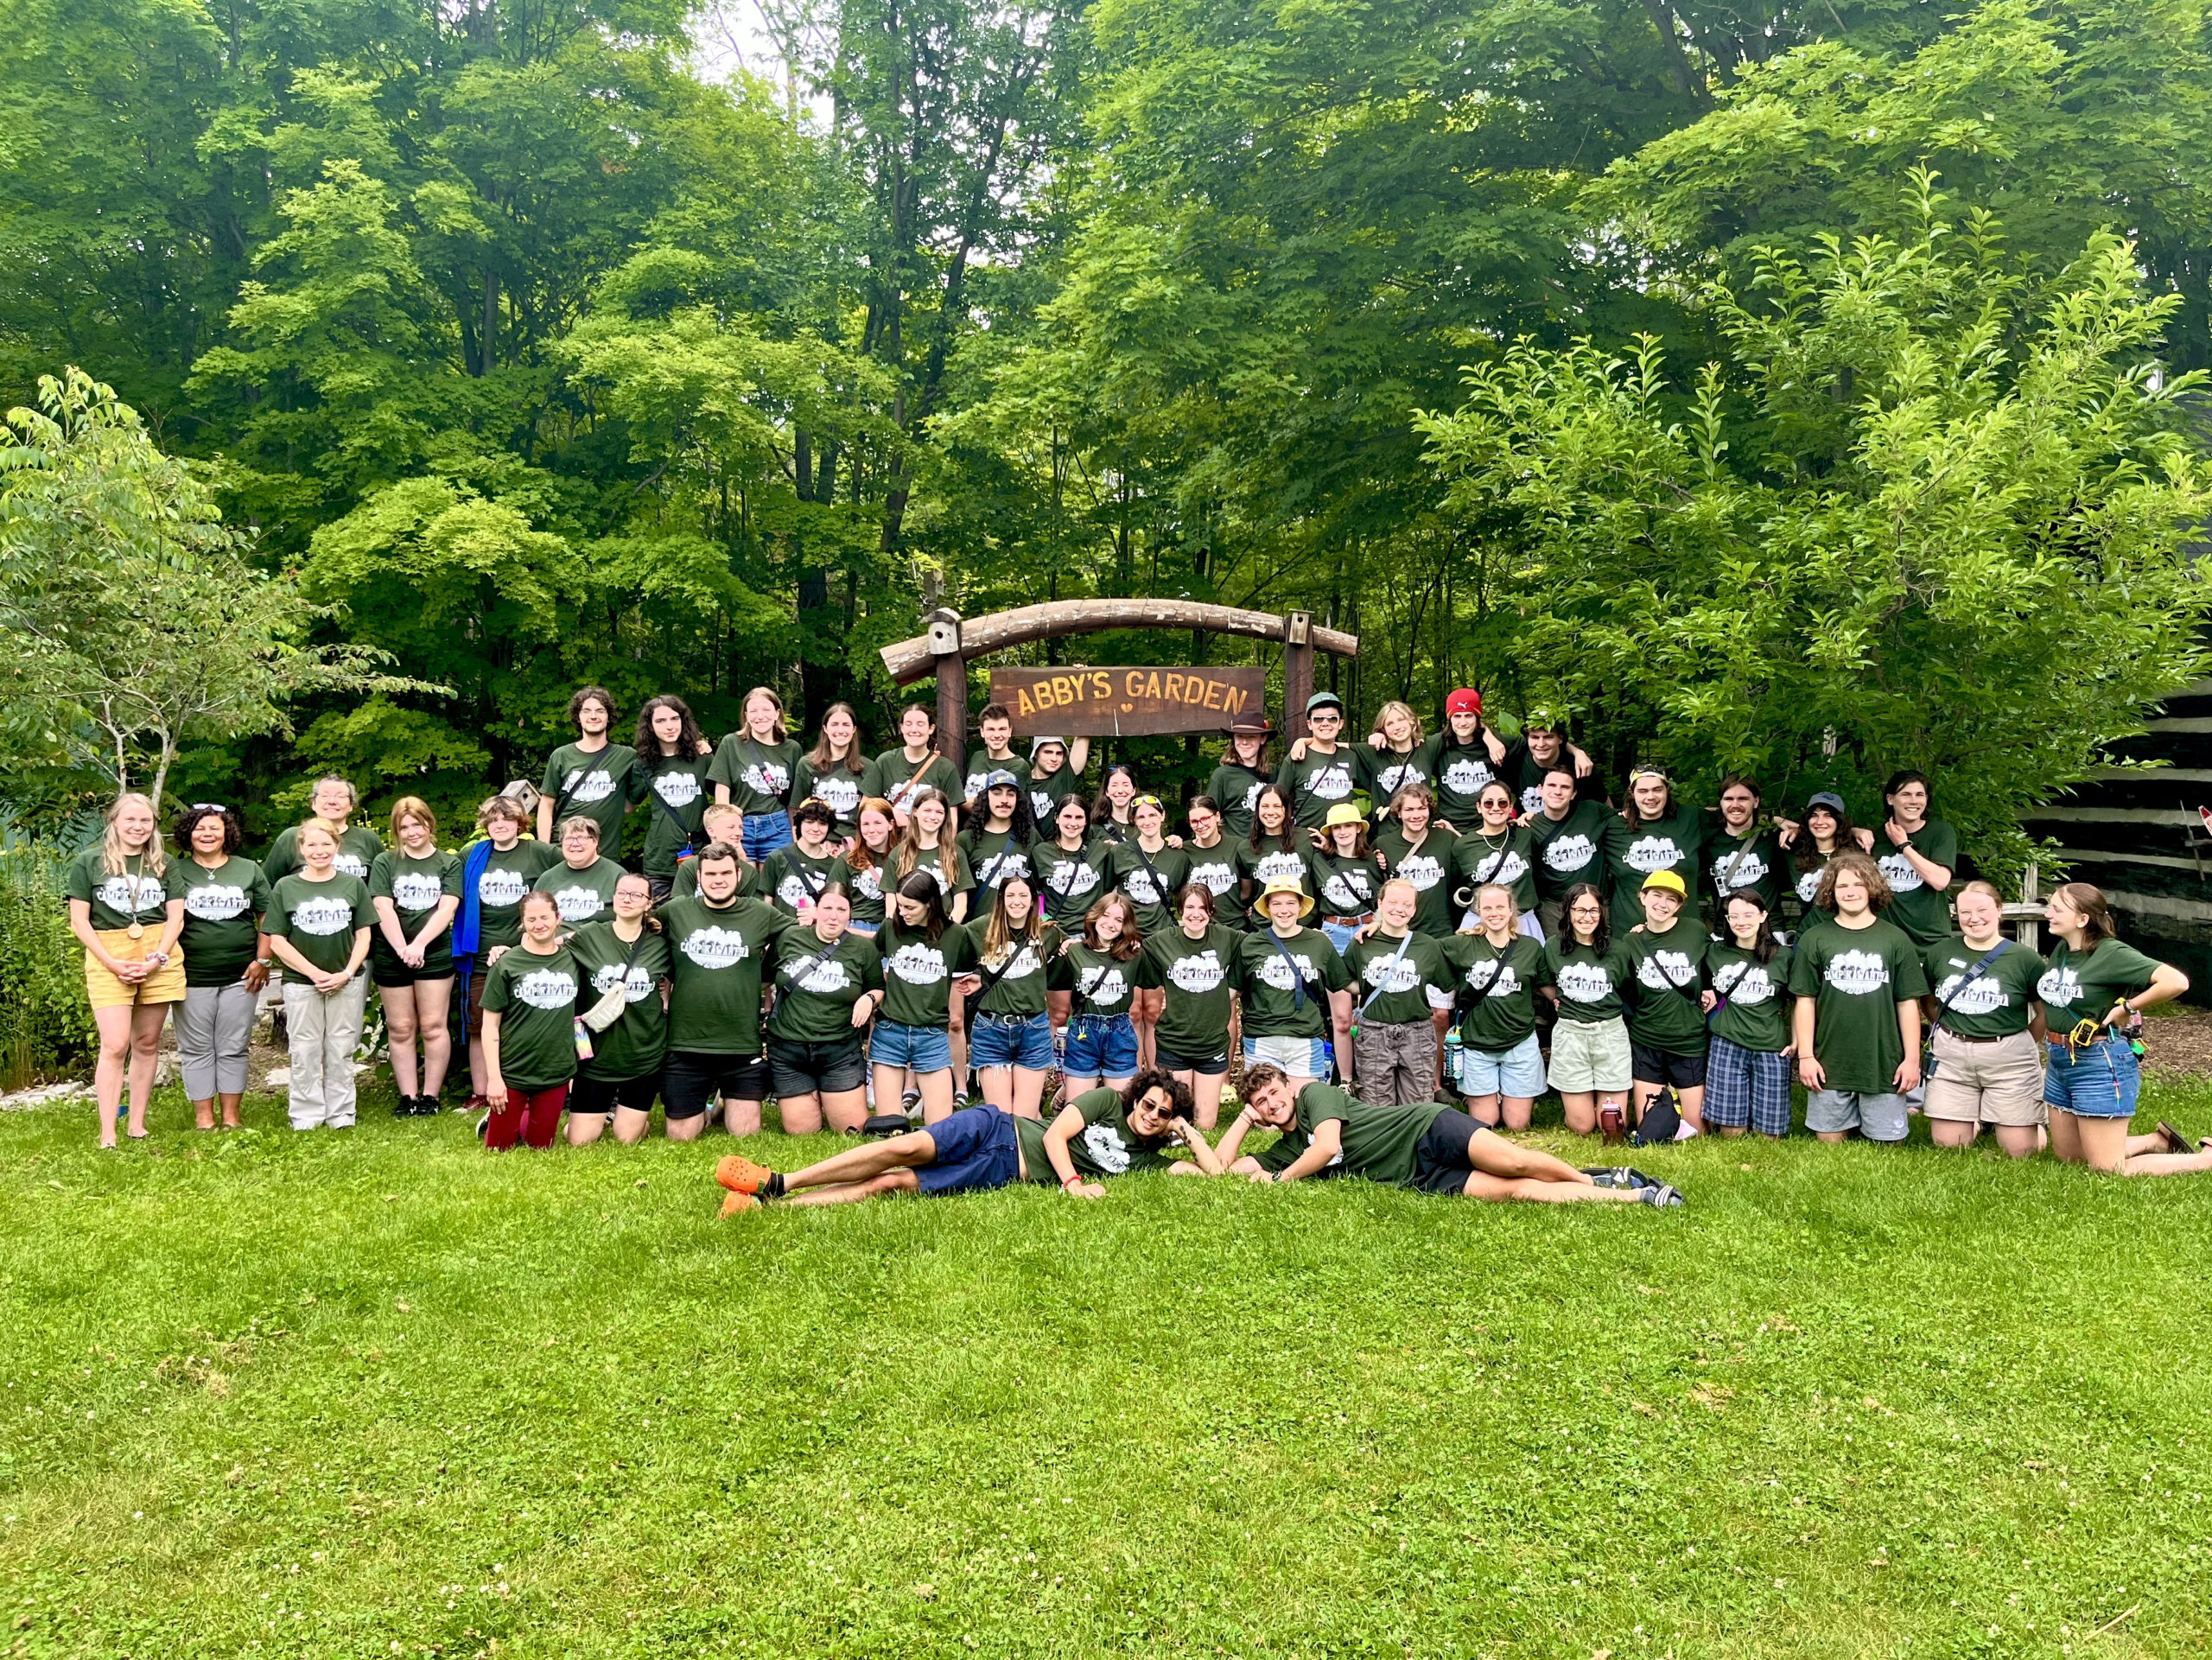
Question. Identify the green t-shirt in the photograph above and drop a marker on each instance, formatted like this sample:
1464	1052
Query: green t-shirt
2074	988
1285	983
501	886
1200	978
1150	880
980	766
416	887
1732	863
1313	1107
949	865
864	885
116	901
1479	858
994	857
1214	869
1381	1142
1922	911
817	985
535	998
1754	1011
1101	983
1235	788
585	896
1575	848
1106	1145
1016	985
1319	782
594	784
1593	985
1271	862
1389	771
1665	1011
918	975
1674	843
1397	981
1856	978
715	964
358	847
758	775
794	878
686	887
893	777
222	912
1073	880
1046	791
1995	1003
675	795
1461	771
1428	867
320	919
837	787
636	1043
1505	980
1343	884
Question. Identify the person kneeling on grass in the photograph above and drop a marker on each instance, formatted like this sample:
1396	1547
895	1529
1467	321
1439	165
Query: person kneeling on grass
1101	1133
1428	1147
1858	981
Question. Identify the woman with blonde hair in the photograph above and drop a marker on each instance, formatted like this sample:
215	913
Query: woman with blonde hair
120	911
319	930
415	889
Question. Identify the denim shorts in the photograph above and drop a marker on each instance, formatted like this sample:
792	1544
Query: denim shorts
1518	1071
765	832
1100	1045
924	1048
977	1148
2098	1082
1023	1040
1298	1057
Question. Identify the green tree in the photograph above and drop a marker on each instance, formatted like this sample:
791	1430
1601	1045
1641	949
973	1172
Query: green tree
1930	512
127	611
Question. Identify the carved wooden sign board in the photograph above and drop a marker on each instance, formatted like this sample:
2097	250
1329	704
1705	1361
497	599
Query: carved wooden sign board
1123	700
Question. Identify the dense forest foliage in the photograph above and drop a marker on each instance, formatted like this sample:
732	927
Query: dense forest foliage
1509	335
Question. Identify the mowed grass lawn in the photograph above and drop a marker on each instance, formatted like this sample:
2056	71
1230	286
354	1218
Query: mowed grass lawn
384	1394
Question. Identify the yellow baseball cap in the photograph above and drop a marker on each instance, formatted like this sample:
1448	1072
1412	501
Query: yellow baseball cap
1667	882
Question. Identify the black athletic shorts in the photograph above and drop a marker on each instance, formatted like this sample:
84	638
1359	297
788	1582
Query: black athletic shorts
1211	1066
1649	1066
1440	1161
603	1095
693	1083
799	1068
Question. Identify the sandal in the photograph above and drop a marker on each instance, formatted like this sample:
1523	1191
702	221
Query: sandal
2175	1140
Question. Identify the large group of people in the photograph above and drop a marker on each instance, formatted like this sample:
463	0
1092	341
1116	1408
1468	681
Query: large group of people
1025	974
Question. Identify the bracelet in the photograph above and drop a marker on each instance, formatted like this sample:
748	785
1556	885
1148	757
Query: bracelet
1071	1181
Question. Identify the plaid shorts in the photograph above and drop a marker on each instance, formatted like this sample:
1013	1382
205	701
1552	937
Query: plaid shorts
1746	1086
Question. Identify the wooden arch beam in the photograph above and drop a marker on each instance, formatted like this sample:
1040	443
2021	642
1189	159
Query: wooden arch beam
910	660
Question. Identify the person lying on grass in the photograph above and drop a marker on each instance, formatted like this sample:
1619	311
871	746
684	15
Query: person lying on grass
1101	1133
1428	1147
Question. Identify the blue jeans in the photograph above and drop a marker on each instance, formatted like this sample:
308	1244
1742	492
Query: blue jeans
1100	1045
765	832
1023	1040
1340	935
2100	1081
924	1048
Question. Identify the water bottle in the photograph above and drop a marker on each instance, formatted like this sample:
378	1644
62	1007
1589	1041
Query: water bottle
584	1039
1454	1044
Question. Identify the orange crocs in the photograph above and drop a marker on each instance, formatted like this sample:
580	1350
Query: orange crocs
734	1202
740	1175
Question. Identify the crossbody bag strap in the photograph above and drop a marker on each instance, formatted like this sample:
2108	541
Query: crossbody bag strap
1725	883
569	794
691	843
1482	995
1396	957
1943	1004
806	966
1159	888
1297	974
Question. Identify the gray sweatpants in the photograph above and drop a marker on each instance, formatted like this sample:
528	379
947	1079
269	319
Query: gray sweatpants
213	1028
324	1031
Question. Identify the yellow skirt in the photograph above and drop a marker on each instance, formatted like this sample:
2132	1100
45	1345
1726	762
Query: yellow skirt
164	985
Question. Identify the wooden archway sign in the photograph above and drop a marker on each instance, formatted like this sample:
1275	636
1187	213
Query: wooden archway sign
952	641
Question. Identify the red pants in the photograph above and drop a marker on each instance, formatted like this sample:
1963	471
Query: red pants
532	1117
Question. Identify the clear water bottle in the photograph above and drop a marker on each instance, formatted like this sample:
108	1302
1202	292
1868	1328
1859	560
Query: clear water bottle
1453	1045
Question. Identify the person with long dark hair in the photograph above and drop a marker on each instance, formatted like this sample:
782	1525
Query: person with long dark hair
999	832
1236	784
590	777
226	957
1099	971
1746	1002
1197	960
1213	859
2094	988
1810	840
1010	1031
671	777
1590	973
797	872
1739	853
1659	834
1275	848
836	770
925	956
1072	867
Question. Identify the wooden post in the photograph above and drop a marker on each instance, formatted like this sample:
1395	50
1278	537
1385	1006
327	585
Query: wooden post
2032	893
1297	673
951	687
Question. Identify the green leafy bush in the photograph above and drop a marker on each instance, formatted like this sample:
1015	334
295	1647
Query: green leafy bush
46	1025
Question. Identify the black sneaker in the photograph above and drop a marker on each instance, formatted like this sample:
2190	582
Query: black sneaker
403	1106
1659	1194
